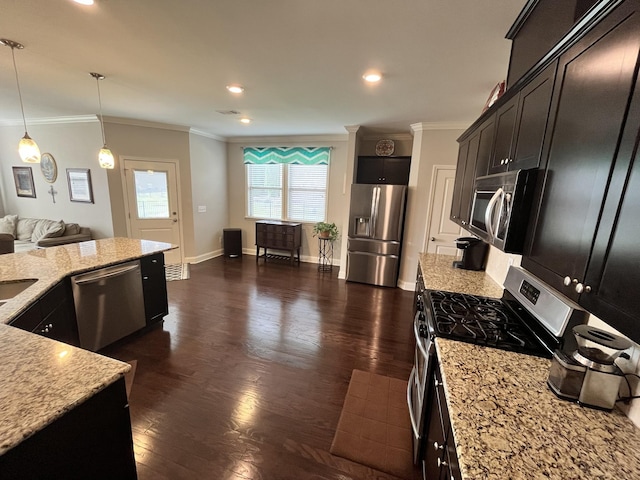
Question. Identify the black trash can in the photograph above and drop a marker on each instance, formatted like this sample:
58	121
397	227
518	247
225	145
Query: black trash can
232	241
474	253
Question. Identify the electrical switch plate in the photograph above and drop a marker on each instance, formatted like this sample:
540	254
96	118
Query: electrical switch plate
202	208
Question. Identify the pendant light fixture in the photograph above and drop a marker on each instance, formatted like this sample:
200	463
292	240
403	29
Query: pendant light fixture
105	157
27	148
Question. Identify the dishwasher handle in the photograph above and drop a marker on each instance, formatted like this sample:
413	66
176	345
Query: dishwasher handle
109	272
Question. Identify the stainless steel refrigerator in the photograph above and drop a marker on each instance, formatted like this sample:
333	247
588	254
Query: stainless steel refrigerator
376	221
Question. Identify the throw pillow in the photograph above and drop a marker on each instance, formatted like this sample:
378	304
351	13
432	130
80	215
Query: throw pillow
8	224
24	228
47	229
71	229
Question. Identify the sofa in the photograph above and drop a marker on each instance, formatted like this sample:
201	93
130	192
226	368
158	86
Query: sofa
30	233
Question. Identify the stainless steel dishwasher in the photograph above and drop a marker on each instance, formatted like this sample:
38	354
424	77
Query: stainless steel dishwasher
109	304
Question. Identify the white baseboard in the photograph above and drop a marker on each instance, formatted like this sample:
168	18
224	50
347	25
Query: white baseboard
204	256
248	251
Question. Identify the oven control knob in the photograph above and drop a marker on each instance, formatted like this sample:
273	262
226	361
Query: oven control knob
422	330
583	288
437	446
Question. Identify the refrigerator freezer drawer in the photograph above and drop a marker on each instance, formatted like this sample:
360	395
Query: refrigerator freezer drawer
373	246
373	269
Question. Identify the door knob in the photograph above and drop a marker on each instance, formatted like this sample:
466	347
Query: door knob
433	239
175	220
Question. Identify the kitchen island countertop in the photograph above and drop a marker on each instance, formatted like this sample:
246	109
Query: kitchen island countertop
506	422
42	379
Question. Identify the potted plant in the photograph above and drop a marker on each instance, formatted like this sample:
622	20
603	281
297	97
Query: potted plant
325	230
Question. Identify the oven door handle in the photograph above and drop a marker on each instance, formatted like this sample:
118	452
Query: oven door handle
416	333
488	214
414	426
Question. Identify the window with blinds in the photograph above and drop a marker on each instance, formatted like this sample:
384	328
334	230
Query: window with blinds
287	183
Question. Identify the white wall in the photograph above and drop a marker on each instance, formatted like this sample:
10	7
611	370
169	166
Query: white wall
430	147
209	189
73	145
336	195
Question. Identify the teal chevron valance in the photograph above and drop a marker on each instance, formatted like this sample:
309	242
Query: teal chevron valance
294	155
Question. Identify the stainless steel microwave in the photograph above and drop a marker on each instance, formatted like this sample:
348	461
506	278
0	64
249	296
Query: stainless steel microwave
501	207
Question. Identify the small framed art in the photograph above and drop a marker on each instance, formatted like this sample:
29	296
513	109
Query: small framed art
23	178
80	189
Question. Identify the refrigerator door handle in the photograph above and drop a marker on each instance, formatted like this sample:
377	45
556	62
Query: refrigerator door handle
375	203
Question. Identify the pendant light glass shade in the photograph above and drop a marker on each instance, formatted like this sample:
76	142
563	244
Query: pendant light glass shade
105	157
27	148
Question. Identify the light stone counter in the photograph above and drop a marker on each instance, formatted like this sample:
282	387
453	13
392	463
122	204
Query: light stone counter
507	424
50	265
41	379
439	274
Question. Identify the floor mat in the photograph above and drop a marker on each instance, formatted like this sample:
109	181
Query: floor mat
177	271
374	427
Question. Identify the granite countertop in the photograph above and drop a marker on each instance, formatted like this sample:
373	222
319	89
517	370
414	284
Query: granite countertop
42	379
506	422
50	265
439	274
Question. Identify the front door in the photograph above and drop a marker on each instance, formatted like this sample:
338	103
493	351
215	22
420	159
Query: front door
152	200
442	232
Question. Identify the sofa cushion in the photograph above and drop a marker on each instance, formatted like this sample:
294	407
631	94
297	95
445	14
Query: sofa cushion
71	229
47	229
24	228
8	224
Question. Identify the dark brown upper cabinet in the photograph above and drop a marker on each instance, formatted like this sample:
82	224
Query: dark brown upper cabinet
584	231
521	125
383	170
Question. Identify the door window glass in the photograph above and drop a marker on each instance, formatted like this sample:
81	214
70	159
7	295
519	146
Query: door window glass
152	194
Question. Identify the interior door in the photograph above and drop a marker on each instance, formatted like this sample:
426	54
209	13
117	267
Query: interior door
442	232
152	199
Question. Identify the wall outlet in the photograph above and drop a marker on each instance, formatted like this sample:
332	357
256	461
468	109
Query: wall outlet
202	208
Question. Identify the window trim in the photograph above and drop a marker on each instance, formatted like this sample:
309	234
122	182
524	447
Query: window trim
285	197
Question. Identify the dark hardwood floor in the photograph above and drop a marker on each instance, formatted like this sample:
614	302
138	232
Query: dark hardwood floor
246	377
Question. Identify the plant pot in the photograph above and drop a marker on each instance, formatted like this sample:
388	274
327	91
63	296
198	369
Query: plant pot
325	234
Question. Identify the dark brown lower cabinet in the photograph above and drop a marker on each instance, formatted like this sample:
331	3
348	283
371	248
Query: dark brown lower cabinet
154	288
440	457
91	441
53	315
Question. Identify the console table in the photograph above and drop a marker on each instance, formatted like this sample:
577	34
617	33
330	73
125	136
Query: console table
278	236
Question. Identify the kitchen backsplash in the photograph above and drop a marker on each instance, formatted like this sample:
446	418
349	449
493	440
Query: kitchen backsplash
498	264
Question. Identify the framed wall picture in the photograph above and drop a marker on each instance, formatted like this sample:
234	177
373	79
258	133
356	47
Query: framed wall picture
80	189
23	178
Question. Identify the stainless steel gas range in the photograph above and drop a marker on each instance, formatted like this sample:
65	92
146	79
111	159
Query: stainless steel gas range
530	318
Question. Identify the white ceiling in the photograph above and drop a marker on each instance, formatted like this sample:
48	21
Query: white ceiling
301	61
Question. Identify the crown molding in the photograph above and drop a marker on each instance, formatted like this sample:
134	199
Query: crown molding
352	128
202	133
416	127
288	139
145	123
51	121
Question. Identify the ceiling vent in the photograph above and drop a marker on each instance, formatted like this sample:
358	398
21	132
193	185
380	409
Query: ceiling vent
228	112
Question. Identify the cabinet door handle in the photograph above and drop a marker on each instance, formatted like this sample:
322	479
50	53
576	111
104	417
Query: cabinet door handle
442	463
437	446
580	288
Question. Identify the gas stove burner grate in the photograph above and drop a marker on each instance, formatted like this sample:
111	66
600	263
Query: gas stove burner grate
480	320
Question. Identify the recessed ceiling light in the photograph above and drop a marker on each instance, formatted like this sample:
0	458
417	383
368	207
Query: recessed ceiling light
235	88
84	2
245	120
372	77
